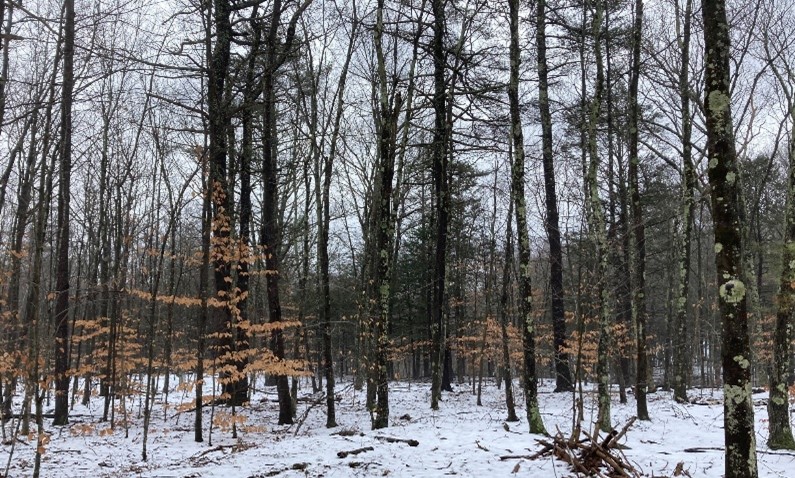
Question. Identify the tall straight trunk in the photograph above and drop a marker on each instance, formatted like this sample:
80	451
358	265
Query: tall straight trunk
778	407
4	16
173	284
440	188
738	418
219	125
505	316
15	327
103	231
32	321
204	293
323	204
64	193
383	228
598	232
638	268
270	237
32	312
251	93
624	292
681	359
527	322
563	381
619	280
324	221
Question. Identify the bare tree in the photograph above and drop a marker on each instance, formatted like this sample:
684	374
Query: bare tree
738	407
530	383
61	313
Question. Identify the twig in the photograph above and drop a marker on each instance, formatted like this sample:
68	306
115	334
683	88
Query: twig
407	441
702	449
516	457
304	416
344	454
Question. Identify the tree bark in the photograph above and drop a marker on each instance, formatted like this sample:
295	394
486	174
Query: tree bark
638	269
270	238
383	224
740	459
597	219
681	359
504	317
204	293
778	407
62	268
563	381
527	322
441	192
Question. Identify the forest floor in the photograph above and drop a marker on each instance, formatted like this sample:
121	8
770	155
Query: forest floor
460	439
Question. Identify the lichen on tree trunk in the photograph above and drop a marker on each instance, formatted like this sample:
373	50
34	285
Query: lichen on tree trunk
740	458
597	226
523	238
681	359
778	406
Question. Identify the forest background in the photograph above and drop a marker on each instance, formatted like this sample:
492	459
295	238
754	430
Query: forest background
441	189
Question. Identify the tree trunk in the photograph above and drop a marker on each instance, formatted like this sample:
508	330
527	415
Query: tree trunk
271	229
204	293
527	322
681	359
599	234
740	458
383	225
638	269
323	204
563	381
505	316
62	272
778	406
441	192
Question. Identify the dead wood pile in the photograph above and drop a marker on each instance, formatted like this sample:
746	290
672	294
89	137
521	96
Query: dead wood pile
591	455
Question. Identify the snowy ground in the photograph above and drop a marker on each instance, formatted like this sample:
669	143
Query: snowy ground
461	439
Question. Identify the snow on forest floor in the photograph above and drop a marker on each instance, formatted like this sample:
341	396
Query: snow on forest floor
460	439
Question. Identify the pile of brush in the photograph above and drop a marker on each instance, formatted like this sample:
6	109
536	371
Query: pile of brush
588	454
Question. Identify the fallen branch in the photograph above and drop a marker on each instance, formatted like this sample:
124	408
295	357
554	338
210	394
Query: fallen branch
516	457
706	449
32	416
407	441
702	449
776	452
296	466
344	454
623	432
314	403
208	451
